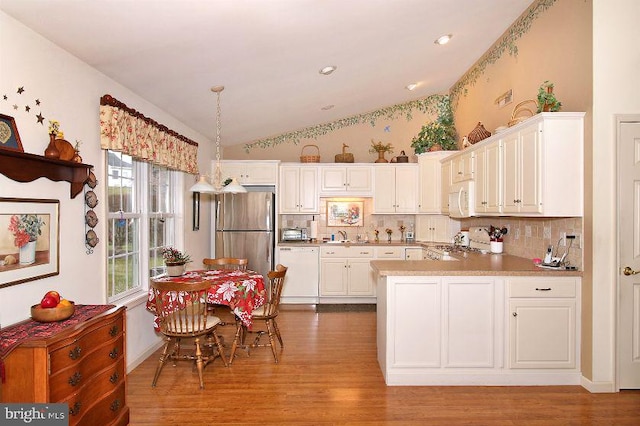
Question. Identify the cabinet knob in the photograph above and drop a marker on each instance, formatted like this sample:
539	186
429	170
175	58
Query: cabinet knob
515	314
75	352
113	331
75	379
75	410
114	353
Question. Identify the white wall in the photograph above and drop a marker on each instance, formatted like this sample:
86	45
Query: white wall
70	91
616	61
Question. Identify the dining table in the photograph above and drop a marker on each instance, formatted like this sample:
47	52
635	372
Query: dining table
242	291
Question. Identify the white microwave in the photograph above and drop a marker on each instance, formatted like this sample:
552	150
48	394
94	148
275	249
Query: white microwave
462	199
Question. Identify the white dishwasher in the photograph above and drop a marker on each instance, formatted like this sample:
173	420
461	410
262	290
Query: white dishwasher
301	281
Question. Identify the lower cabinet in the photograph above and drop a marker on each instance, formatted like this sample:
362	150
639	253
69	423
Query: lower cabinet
542	323
82	366
346	271
478	330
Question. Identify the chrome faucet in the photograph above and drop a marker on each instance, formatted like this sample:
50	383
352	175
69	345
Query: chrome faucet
344	235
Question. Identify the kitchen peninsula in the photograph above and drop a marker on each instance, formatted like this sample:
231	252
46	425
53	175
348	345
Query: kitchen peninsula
487	319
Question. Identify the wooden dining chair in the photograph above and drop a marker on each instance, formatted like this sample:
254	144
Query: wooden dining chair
266	313
229	263
182	313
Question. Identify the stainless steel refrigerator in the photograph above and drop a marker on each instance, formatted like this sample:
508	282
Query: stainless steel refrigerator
244	227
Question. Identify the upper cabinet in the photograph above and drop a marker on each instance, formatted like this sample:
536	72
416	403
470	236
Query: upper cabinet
339	179
534	168
430	182
298	189
396	188
251	172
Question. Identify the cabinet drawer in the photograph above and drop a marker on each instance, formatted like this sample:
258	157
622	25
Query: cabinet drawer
103	409
542	287
389	252
85	344
341	251
69	380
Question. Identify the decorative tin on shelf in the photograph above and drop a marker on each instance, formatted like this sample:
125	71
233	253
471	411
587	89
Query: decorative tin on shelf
310	158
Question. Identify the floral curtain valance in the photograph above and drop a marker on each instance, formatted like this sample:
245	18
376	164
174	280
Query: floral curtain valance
126	130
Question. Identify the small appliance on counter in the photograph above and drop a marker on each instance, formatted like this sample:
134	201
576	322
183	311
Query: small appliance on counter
462	238
294	234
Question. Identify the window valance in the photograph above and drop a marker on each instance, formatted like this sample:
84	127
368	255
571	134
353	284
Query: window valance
128	131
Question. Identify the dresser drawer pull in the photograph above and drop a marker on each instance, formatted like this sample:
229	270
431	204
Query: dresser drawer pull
114	353
543	289
113	331
75	352
115	405
114	377
75	410
75	379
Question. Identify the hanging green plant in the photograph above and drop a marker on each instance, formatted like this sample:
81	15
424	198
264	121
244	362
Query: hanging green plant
547	101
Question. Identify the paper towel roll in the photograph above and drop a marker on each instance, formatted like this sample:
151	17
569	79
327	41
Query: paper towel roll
313	230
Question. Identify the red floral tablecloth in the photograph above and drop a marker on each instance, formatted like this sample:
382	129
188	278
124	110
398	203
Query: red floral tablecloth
242	291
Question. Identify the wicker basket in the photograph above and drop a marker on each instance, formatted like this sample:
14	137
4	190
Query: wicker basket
345	157
478	133
521	112
310	158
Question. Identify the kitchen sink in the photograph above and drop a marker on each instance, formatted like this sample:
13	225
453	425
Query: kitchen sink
338	242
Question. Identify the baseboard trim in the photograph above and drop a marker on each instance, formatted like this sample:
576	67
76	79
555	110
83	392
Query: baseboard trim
146	354
597	387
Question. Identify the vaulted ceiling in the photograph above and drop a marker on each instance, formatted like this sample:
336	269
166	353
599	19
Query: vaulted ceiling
268	53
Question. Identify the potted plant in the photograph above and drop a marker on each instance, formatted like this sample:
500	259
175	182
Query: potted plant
380	148
175	261
439	134
547	101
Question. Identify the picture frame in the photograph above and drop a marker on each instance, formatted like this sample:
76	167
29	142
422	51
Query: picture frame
9	136
22	259
345	213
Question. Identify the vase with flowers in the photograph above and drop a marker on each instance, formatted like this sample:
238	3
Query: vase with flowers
26	228
52	151
380	148
175	260
389	232
495	238
402	228
376	234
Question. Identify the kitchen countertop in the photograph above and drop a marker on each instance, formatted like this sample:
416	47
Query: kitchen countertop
470	265
380	244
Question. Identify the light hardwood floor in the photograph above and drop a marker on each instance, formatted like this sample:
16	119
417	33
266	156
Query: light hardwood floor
328	375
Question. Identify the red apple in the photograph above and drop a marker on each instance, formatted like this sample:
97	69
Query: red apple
48	302
53	294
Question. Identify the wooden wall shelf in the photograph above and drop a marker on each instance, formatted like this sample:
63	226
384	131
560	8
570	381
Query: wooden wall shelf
24	167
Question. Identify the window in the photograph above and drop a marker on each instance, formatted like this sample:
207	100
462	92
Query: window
144	214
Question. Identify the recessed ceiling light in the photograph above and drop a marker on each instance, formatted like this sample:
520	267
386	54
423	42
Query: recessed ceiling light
443	39
411	86
327	107
328	70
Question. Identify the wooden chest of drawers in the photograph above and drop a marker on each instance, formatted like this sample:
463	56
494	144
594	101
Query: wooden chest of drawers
82	365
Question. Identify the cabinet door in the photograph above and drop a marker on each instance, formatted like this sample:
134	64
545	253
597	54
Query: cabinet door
360	281
542	333
493	178
233	170
384	199
333	179
359	179
430	185
445	185
530	185
440	229
413	253
406	184
289	189
481	179
333	277
261	173
510	174
308	195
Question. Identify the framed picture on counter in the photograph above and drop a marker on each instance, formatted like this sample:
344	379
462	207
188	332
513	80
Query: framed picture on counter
29	239
345	213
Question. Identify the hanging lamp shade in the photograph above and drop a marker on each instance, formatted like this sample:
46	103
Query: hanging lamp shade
234	187
202	186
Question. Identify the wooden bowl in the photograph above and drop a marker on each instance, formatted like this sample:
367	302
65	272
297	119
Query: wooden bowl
52	314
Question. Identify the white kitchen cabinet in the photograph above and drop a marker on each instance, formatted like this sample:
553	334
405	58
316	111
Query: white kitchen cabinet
543	322
298	189
522	171
413	253
355	180
488	175
346	271
396	189
251	172
445	185
462	166
430	181
433	228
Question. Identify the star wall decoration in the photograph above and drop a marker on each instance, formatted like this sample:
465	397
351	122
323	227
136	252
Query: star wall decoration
387	129
5	97
20	90
40	118
27	108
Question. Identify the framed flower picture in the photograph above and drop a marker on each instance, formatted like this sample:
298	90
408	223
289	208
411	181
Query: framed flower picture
29	239
345	213
9	137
